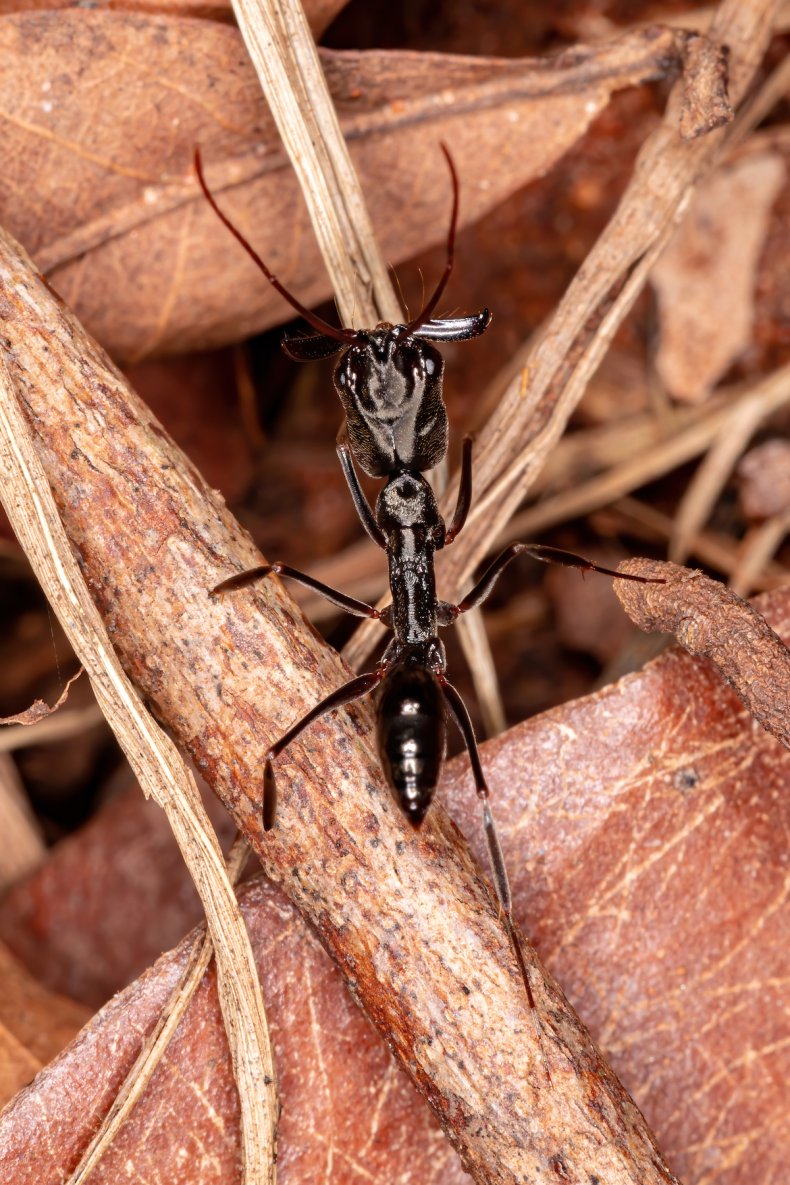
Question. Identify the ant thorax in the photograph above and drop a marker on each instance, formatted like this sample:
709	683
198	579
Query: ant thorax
390	385
407	500
407	513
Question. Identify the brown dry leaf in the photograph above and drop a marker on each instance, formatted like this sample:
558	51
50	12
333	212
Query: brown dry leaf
644	829
108	900
101	190
705	280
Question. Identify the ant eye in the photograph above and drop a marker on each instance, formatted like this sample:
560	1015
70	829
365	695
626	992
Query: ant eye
430	366
341	378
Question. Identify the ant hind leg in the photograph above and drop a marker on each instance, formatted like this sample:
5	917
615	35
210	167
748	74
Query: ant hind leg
459	712
352	690
244	579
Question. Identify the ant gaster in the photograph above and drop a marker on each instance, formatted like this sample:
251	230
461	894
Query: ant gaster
390	383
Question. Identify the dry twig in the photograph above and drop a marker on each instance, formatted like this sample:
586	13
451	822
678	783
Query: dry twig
516	441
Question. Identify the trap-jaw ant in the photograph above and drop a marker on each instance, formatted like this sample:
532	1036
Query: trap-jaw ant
390	382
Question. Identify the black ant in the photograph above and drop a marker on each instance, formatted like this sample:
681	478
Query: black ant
389	380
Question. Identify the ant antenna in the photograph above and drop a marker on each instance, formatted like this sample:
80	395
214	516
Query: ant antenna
349	336
425	315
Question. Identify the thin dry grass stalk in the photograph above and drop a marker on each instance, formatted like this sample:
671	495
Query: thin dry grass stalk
286	60
755	403
715	550
22	846
56	728
757	551
408	917
30	506
284	54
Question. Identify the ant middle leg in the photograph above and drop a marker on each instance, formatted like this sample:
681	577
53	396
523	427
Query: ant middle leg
537	551
352	690
244	579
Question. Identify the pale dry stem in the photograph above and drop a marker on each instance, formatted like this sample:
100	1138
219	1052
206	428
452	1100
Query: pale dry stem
283	52
160	769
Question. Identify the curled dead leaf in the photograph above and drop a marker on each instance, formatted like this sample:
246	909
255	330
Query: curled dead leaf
711	621
39	710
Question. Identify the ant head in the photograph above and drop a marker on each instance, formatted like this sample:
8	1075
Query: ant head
390	385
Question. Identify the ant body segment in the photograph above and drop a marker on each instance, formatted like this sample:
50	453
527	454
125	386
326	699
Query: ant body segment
389	380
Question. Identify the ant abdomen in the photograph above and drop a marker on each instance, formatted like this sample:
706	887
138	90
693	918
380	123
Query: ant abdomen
412	736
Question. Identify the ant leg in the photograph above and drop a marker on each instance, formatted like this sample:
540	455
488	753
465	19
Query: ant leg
546	555
460	714
361	504
352	690
464	493
242	579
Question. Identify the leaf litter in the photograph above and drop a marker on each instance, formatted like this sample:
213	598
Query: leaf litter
733	1140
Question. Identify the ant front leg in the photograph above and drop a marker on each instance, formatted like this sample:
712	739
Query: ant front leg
361	504
546	555
352	690
243	579
464	500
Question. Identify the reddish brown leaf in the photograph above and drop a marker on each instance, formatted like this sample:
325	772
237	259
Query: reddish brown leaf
348	1113
106	200
646	835
107	902
319	12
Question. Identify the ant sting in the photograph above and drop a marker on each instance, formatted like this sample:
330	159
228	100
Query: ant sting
389	380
